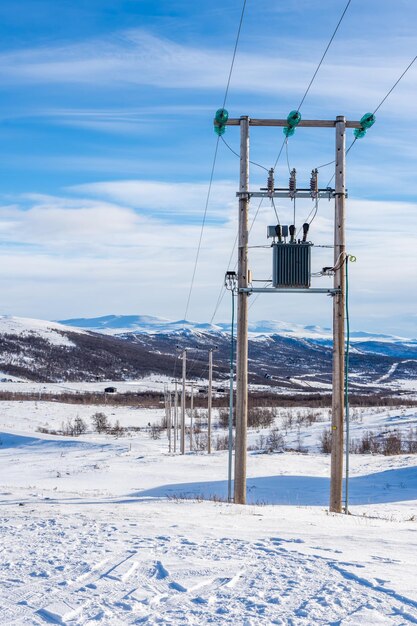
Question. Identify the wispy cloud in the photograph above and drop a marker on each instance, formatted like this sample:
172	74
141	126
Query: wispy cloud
170	201
104	251
138	58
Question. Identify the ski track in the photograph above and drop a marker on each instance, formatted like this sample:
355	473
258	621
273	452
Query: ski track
84	572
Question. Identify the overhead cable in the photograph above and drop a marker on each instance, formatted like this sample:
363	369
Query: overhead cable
214	163
323	55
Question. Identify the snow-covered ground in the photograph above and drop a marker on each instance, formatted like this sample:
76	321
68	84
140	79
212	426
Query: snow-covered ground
105	530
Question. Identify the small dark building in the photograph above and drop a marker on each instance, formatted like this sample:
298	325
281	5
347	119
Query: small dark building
110	390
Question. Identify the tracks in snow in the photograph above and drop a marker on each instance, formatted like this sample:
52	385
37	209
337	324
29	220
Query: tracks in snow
79	571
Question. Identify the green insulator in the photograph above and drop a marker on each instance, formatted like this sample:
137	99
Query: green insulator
367	120
219	130
294	118
359	133
221	116
288	131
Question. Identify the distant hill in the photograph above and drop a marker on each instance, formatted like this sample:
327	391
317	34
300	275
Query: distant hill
47	352
281	356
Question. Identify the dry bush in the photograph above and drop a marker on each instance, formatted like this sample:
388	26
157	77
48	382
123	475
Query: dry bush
200	441
326	441
221	442
100	422
260	417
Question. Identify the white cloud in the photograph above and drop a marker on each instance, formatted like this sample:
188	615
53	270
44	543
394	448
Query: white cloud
173	201
139	58
66	256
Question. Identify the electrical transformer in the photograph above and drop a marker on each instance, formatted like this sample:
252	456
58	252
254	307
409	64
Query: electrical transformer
291	264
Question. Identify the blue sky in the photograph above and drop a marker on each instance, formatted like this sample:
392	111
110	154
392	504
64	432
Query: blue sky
107	140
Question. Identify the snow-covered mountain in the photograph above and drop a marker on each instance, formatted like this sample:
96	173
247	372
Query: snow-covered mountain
281	355
364	342
46	351
120	324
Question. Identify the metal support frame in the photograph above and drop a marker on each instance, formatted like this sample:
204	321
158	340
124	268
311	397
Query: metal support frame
249	290
297	193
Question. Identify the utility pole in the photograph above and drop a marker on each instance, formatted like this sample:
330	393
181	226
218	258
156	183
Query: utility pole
209	400
242	320
338	292
184	373
175	416
191	412
338	322
230	284
169	425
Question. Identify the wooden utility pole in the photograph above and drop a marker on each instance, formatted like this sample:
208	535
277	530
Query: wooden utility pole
191	413
175	416
209	400
336	481
169	425
242	320
184	374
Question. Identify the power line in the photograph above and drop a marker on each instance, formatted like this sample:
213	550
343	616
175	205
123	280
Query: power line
394	85
202	228
234	54
314	76
238	155
323	55
299	107
355	139
214	163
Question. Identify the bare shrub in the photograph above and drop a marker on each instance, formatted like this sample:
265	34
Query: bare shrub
100	422
155	431
411	441
326	441
47	431
224	417
221	442
201	415
116	429
275	440
67	428
80	426
200	442
260	417
392	444
388	443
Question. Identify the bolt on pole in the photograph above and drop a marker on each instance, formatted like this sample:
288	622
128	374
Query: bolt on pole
336	472
242	320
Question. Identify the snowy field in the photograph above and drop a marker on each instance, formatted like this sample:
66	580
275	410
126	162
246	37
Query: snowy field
103	530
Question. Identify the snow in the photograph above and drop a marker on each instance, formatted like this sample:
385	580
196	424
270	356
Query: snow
51	331
105	530
120	324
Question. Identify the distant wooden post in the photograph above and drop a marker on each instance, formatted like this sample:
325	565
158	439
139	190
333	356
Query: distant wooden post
169	423
175	416
184	374
192	410
210	392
